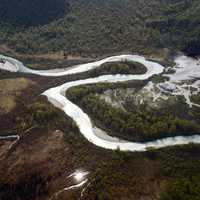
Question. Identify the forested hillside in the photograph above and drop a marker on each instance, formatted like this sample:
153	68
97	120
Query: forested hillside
60	142
101	26
31	13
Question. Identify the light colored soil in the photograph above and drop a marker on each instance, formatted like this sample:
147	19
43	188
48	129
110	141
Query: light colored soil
9	90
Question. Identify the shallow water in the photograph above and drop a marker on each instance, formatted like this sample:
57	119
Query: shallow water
100	138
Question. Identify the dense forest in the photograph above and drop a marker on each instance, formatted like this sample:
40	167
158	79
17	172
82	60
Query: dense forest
51	146
37	114
136	123
99	27
124	67
31	13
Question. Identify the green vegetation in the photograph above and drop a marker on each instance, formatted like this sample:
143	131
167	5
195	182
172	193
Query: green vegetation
37	113
90	27
181	165
79	92
31	13
100	27
124	67
29	186
139	124
113	174
179	25
196	98
183	189
159	78
40	114
174	171
36	164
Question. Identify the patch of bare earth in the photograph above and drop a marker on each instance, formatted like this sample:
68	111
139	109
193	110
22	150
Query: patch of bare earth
40	159
10	89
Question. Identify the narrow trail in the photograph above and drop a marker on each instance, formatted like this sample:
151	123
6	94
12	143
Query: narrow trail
14	138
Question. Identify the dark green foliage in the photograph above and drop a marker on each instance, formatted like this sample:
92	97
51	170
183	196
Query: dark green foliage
196	98
180	161
39	114
31	12
77	93
179	25
29	186
133	172
181	164
183	189
124	67
192	47
140	124
99	27
108	174
158	78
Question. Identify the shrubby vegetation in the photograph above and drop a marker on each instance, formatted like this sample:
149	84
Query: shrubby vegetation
99	27
196	98
178	25
29	186
174	170
124	67
31	13
181	165
36	120
41	114
77	93
183	189
113	174
159	78
140	124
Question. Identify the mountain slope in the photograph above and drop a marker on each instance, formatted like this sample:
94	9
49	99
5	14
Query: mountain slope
31	13
109	26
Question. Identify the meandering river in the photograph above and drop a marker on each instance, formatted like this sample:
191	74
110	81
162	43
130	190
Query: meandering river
57	97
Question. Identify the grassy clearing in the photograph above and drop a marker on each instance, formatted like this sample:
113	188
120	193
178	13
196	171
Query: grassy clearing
9	90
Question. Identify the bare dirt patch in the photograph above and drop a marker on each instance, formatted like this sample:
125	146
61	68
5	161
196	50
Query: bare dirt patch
43	155
9	90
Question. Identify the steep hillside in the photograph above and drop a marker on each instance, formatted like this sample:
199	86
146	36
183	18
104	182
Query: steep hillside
31	13
106	26
180	25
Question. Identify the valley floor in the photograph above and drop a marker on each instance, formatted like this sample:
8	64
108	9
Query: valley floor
51	149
